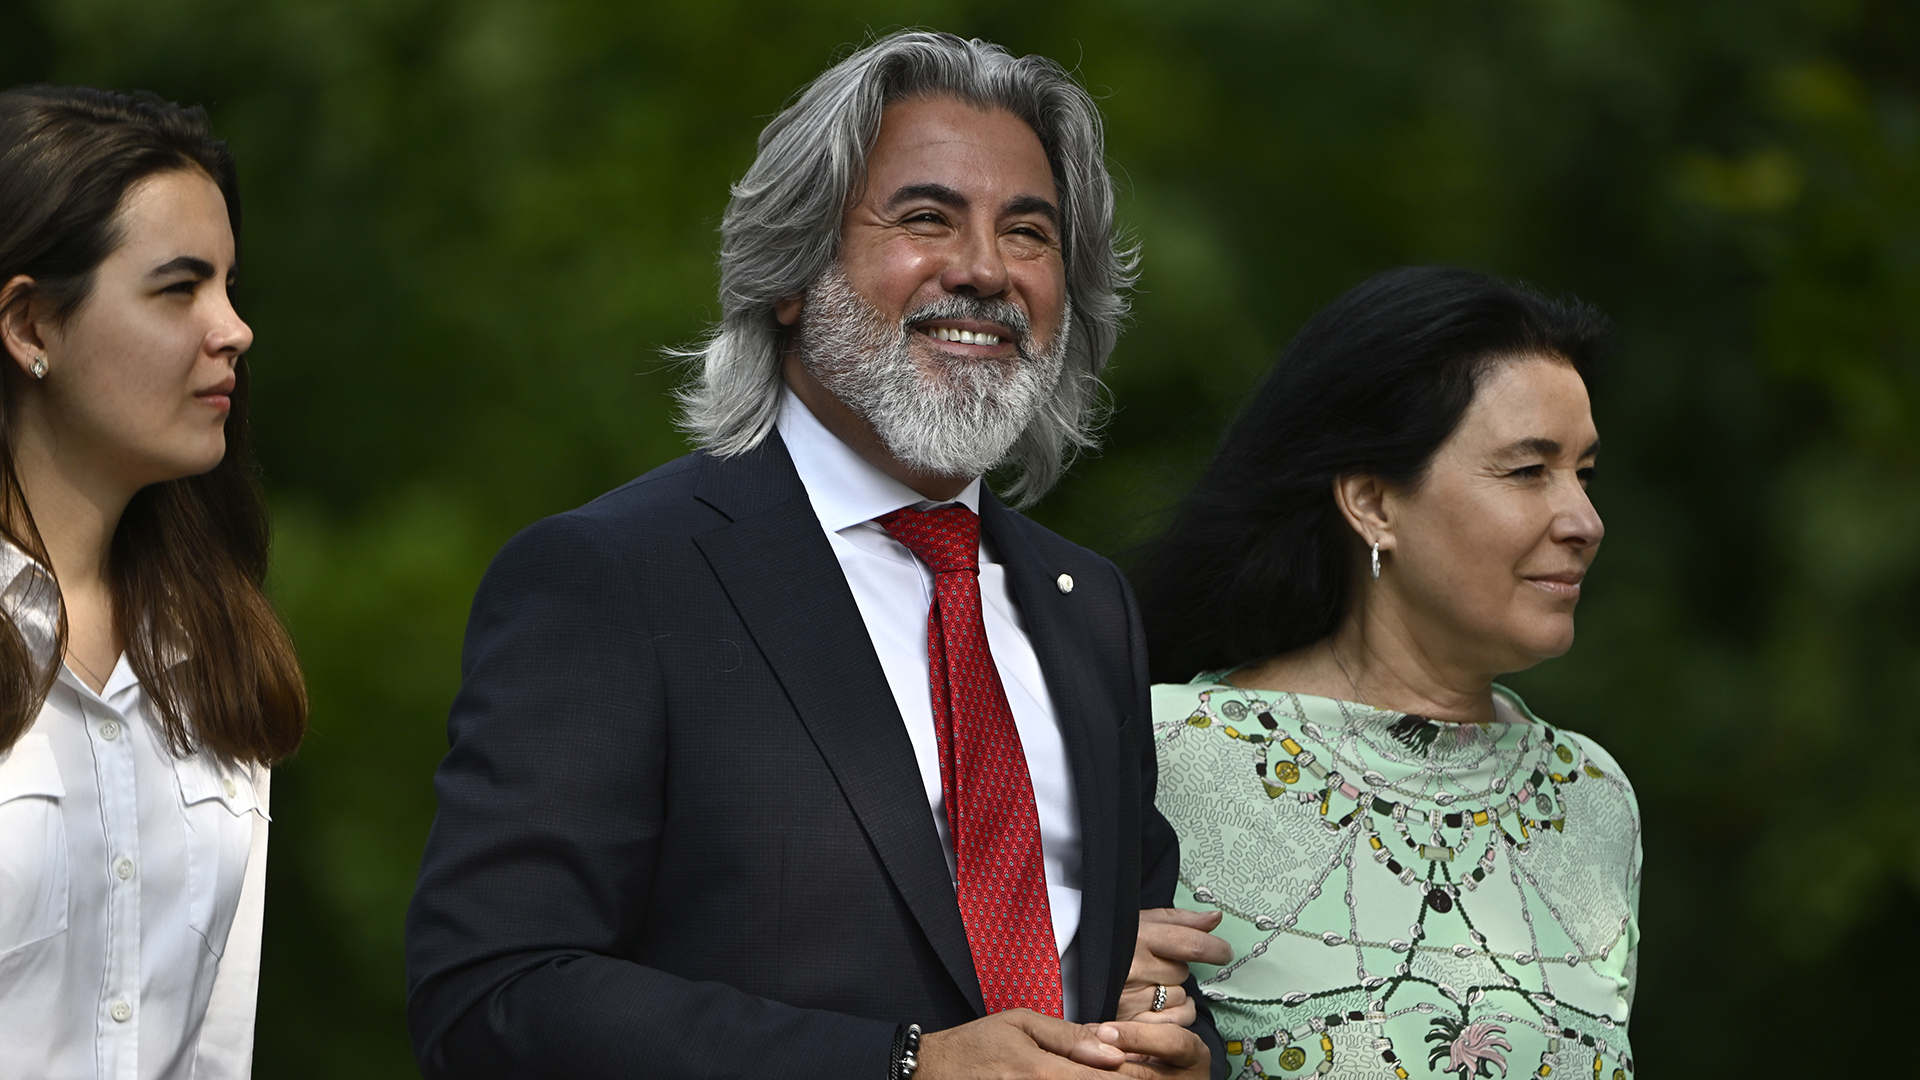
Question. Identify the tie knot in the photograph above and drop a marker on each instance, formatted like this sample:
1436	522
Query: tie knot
947	539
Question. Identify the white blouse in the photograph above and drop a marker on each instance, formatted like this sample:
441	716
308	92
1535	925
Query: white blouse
131	883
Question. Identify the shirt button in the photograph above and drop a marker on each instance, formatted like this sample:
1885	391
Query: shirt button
121	1012
110	730
124	868
230	789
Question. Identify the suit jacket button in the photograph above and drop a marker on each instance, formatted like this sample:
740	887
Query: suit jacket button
1065	581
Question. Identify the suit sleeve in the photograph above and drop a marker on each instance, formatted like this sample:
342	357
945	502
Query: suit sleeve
539	871
1159	846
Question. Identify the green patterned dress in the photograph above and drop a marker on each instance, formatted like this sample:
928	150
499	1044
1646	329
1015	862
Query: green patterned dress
1404	897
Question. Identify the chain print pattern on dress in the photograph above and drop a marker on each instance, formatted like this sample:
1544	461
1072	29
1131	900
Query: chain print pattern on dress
1303	774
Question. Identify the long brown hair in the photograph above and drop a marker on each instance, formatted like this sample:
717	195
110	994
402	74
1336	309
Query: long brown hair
189	556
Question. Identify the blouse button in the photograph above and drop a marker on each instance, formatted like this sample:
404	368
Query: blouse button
124	868
110	730
121	1012
227	785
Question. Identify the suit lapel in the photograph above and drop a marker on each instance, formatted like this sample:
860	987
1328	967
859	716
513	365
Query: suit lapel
777	567
1060	642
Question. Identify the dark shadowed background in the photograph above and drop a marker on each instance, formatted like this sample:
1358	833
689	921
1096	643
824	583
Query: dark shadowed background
472	227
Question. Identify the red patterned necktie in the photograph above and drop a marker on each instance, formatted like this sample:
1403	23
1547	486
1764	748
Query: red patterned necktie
983	774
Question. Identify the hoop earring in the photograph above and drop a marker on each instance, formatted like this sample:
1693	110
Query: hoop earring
1376	560
39	367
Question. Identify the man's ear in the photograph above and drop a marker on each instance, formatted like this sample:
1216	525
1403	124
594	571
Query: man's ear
787	309
19	329
1362	498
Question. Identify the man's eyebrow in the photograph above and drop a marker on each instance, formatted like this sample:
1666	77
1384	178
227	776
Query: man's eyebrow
939	193
946	196
198	267
1034	204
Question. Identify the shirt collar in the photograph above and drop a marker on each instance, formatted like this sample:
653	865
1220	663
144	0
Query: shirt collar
31	599
13	563
845	488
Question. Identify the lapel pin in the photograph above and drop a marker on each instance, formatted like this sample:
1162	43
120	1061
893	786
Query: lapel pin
1065	581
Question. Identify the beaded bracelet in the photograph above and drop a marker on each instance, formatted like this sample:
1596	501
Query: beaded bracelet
906	1053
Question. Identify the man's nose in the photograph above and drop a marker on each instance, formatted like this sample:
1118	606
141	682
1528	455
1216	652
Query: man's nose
977	267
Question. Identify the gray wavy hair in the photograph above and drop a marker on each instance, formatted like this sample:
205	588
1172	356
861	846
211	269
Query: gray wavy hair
782	228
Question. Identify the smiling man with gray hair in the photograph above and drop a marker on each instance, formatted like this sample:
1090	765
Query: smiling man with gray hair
804	755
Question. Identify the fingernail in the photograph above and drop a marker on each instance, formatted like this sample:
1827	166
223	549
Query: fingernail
1109	1033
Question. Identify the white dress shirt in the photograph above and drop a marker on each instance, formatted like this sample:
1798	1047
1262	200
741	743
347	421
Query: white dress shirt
131	882
894	591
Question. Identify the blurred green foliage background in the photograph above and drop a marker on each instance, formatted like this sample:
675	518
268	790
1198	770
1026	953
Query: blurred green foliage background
471	227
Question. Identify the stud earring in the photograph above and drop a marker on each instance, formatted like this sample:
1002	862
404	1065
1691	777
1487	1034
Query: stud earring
39	367
1376	560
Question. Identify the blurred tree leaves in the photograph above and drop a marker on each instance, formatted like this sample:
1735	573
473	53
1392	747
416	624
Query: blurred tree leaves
472	227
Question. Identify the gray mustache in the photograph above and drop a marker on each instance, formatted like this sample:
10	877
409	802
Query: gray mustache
1004	312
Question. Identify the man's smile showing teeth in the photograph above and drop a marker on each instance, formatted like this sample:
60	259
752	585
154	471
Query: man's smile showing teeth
964	337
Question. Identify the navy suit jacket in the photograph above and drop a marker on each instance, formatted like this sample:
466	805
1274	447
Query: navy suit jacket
681	827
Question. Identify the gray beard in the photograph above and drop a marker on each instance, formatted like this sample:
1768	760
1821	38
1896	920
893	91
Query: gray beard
964	417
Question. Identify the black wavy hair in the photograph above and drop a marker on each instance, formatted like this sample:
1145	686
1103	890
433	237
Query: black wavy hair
1257	560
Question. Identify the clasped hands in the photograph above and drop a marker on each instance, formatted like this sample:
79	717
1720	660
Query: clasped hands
1141	1043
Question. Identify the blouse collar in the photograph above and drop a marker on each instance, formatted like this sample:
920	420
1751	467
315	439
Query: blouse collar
31	599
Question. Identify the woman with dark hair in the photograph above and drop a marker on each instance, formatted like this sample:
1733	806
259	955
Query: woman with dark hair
1415	873
146	684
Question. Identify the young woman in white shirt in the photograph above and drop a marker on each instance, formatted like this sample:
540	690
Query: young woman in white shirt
146	683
